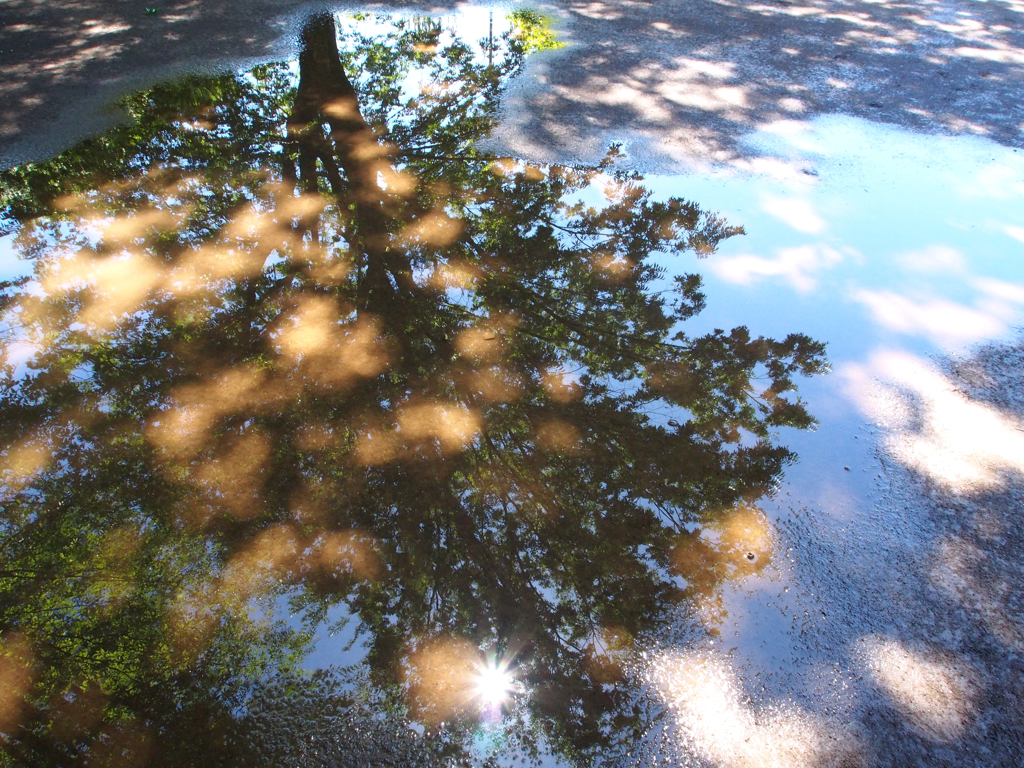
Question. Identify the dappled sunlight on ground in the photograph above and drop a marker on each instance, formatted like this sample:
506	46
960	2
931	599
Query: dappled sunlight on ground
703	74
934	694
940	432
712	711
964	571
689	79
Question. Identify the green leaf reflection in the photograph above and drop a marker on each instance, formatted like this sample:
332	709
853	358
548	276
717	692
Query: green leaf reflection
292	336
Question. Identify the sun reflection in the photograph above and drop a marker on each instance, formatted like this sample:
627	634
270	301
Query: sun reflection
493	683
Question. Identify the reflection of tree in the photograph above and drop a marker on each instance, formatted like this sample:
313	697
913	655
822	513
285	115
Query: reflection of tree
307	339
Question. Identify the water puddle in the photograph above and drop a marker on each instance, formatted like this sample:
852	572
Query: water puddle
332	436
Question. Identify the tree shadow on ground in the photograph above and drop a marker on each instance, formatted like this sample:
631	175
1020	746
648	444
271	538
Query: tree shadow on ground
682	81
686	81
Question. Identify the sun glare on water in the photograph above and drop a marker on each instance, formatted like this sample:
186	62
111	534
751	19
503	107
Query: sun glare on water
493	683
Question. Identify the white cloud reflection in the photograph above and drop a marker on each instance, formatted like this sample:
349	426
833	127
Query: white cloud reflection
933	258
798	213
941	320
797	266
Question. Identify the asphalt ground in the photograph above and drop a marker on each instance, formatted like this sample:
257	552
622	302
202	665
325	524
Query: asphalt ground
683	81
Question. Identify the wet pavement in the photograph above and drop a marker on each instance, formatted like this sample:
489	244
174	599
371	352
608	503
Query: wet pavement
424	398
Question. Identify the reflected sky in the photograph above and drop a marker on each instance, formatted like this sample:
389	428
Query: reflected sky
291	342
300	351
917	238
903	251
882	241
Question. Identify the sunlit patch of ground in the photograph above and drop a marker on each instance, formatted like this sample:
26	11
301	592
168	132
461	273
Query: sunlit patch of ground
713	713
936	427
933	693
942	684
910	651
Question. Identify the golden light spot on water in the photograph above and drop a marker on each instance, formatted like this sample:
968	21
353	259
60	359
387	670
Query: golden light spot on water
454	426
310	327
330	272
352	552
110	286
181	432
496	384
288	207
745	531
267	222
367	148
559	436
739	543
184	430
502	166
401	183
612	267
266	559
124	229
441	679
436	229
250	224
73	203
533	173
23	460
341	108
198	271
455	274
480	341
17	674
235	473
332	354
559	387
374	447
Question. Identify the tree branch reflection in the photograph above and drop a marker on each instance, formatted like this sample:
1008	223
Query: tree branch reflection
295	336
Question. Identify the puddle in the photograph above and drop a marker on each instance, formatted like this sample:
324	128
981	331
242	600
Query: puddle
332	437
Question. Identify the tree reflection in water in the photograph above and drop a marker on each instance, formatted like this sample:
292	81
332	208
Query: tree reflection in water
294	336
